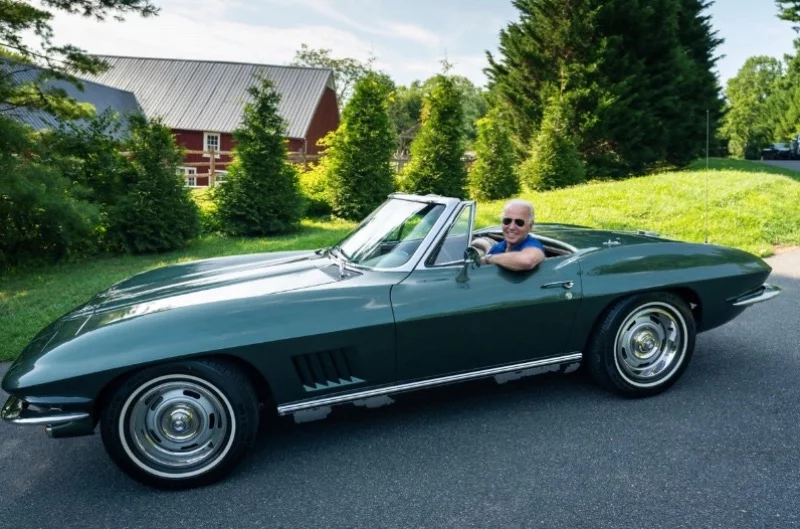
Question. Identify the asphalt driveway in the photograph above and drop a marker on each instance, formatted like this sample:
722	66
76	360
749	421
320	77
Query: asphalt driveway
719	450
794	165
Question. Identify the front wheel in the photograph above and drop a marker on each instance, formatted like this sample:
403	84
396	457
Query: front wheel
181	425
643	344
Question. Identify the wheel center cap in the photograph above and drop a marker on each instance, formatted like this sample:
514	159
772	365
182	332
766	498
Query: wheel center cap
179	423
644	344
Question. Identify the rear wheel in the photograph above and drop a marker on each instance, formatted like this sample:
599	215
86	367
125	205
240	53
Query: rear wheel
643	344
181	425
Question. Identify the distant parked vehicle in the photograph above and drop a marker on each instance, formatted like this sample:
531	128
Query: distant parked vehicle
778	151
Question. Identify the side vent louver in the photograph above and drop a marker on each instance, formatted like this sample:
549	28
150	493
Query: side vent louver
324	370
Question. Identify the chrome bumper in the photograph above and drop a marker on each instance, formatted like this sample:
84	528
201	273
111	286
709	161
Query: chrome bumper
765	293
18	411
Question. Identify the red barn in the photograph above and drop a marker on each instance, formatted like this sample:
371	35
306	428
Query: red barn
202	102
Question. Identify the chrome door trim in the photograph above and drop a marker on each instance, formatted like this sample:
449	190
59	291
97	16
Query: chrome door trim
431	382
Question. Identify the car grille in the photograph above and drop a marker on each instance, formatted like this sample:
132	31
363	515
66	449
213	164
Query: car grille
324	370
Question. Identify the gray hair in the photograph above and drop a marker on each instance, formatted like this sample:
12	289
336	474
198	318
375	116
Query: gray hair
520	202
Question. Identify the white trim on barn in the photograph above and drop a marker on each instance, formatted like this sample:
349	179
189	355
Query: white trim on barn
206	147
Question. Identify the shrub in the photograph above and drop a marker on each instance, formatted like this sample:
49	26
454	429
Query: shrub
360	174
315	189
43	215
203	197
493	176
261	194
156	213
436	165
554	159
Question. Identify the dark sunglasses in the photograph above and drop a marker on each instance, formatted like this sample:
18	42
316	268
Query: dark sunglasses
518	222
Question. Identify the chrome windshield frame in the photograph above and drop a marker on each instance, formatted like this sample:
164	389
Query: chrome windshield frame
446	229
451	205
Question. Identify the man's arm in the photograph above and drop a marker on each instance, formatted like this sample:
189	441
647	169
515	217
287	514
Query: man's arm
527	259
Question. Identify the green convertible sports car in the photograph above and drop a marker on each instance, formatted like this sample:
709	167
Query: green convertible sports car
175	364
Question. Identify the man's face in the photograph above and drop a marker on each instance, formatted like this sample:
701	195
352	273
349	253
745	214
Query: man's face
512	231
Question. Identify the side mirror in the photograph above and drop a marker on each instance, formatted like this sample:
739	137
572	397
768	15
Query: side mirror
471	257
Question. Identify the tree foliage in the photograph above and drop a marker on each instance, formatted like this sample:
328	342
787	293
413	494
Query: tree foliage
493	175
89	152
747	124
405	108
436	164
261	194
360	176
26	40
634	76
346	71
554	160
43	214
155	212
789	10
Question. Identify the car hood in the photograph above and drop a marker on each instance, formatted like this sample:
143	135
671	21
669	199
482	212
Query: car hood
212	280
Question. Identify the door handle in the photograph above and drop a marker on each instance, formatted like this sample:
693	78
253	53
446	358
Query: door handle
563	284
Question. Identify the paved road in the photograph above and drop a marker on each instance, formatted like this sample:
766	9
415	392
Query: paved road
719	450
786	164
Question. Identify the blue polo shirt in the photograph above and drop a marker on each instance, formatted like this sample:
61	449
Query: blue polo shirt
528	242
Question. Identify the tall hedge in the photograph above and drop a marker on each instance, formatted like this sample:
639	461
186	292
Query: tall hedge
493	175
436	164
156	212
554	160
261	195
360	175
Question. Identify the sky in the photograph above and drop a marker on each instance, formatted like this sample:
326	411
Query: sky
408	39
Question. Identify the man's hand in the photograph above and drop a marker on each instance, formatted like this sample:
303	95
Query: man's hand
527	259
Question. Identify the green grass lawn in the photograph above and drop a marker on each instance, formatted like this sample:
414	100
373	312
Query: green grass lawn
751	206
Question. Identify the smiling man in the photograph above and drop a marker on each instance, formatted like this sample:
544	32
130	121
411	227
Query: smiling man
519	250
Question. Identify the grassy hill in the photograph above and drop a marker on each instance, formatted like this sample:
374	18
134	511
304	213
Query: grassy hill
751	206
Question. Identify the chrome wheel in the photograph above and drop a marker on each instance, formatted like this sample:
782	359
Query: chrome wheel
650	344
177	426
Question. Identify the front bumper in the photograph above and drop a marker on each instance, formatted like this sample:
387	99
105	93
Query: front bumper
763	293
57	422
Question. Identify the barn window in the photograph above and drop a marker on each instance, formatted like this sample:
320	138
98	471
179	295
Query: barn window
211	140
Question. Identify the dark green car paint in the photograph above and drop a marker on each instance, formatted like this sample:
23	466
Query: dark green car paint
445	326
293	315
263	313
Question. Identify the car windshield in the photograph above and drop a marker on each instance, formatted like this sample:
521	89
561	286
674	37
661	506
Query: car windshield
392	234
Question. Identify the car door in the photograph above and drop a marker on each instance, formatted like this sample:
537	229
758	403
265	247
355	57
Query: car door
447	322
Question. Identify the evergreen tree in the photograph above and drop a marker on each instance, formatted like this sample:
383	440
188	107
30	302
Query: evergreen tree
747	124
698	89
21	23
789	10
405	107
436	164
634	77
360	175
493	175
550	51
156	213
261	194
554	160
